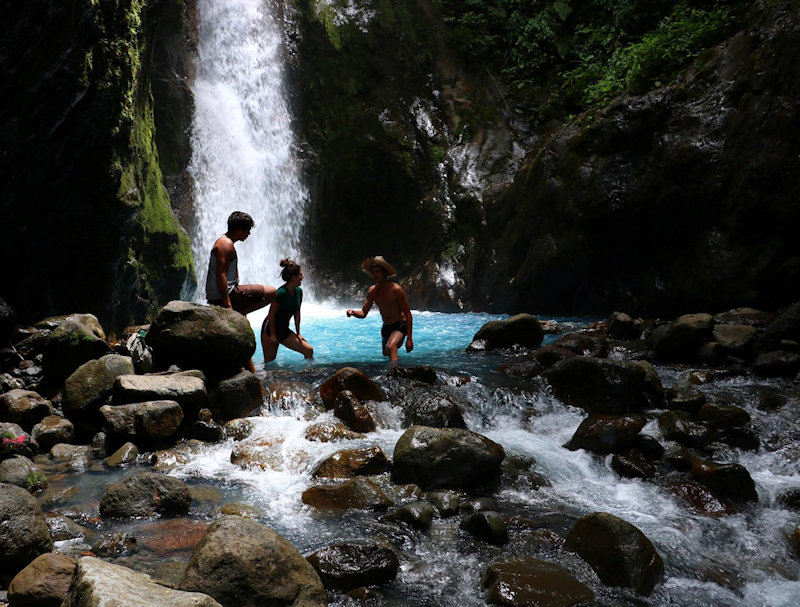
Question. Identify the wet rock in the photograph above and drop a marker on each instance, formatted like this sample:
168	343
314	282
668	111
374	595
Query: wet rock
417	515
679	427
116	545
583	344
213	339
789	499
360	493
123	456
239	429
349	378
330	432
525	581
44	582
745	439
633	464
606	386
77	339
777	363
446	502
745	316
487	526
145	422
267	453
684	397
603	434
446	458
25	408
91	384
289	395
619	553
421	373
518	475
794	541
430	408
723	416
523	330
52	430
479	504
353	414
207	431
78	456
728	481
784	328
700	498
100	583
25	534
15	441
240	395
22	472
364	595
621	326
240	558
649	446
680	339
186	390
353	462
146	494
735	339
64	528
245	510
8	382
347	566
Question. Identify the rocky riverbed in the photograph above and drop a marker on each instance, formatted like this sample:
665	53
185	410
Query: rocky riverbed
95	433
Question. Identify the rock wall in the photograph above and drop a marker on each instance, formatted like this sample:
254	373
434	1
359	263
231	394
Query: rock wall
680	199
87	224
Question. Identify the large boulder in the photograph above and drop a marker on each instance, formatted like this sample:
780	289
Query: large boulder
211	338
525	581
600	385
604	434
353	413
349	378
446	458
52	430
146	494
353	462
24	407
149	422
188	391
727	481
43	583
100	583
239	395
90	385
360	493
24	534
522	329
619	553
78	339
428	407
347	566
20	471
240	562
681	339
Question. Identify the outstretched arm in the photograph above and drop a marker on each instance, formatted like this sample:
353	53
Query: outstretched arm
362	313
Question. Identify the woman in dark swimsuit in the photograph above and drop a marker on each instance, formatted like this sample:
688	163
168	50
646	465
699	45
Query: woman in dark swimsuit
286	306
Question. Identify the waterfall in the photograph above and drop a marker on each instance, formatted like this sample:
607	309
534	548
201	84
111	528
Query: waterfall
242	140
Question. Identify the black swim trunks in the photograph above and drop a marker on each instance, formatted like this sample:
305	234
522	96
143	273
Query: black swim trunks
283	332
387	330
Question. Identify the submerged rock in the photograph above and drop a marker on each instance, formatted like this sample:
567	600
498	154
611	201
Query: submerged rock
146	494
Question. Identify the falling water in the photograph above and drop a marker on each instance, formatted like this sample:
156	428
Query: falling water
242	139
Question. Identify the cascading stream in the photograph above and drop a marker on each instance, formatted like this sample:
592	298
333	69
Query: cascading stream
242	140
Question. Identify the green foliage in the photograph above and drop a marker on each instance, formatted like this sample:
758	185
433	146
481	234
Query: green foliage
558	57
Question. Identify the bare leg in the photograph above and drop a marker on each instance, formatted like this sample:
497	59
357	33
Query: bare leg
270	347
393	344
295	343
268	295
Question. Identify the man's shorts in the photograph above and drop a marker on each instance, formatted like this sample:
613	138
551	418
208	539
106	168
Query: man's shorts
244	297
387	330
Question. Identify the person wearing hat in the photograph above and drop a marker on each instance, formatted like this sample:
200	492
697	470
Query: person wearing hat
393	306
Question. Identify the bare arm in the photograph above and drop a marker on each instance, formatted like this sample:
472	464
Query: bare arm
403	301
273	330
297	323
362	313
225	253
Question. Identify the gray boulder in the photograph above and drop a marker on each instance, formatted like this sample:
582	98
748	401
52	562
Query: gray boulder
347	566
446	458
90	385
98	583
146	494
186	390
526	581
193	336
22	472
239	396
43	583
240	562
52	430
24	407
619	553
148	422
77	339
522	329
25	534
599	385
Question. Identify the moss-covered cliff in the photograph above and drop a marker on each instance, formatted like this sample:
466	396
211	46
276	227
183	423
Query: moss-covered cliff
87	224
